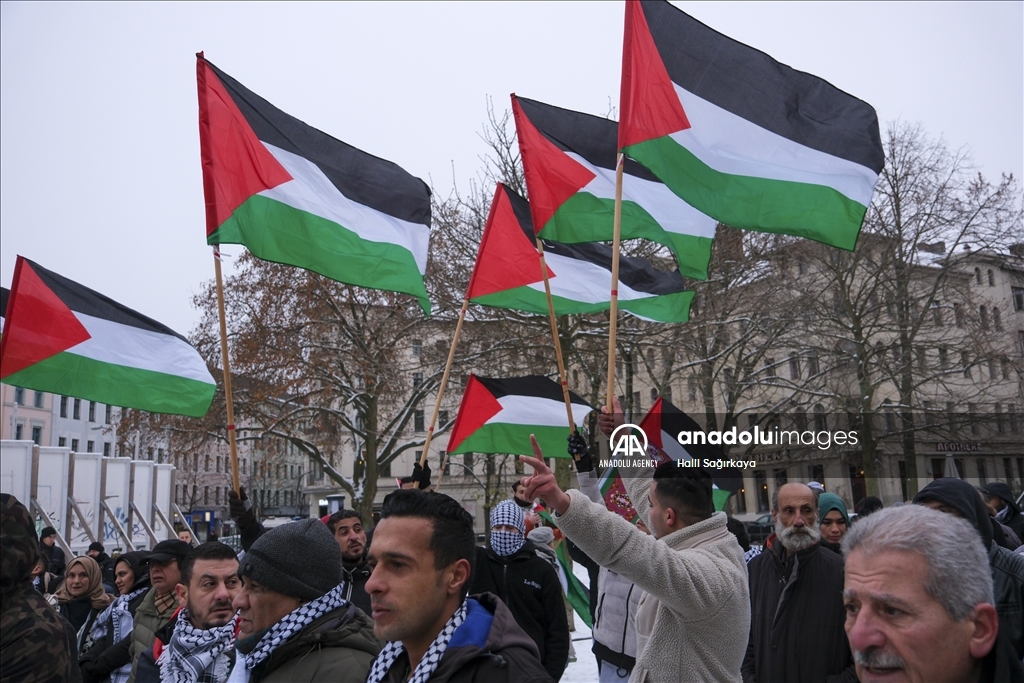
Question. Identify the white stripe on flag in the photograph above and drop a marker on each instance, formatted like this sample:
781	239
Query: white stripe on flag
583	281
534	410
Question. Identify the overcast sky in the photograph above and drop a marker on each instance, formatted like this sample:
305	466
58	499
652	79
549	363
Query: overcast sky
99	145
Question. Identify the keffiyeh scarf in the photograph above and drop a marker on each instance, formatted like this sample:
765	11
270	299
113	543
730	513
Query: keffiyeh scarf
425	669
294	622
120	621
195	655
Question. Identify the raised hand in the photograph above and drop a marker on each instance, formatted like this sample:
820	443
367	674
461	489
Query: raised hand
607	422
542	484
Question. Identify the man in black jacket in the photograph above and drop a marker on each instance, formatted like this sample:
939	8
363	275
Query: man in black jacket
526	583
347	527
959	498
1007	510
796	604
422	556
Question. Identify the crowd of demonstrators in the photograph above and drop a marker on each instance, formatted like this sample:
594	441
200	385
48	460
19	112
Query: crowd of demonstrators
835	521
37	645
53	552
796	606
347	528
109	655
958	498
919	601
197	645
295	624
692	620
81	598
527	584
422	554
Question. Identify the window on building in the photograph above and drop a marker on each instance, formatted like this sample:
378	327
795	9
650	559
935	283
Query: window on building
802	266
997	319
951	420
92	411
76	409
769	367
991	278
442	418
943	358
37	435
470	460
244	463
106	415
206	462
998	415
958	315
1018	298
741	500
977	275
38	399
62	441
63	406
922	358
1008	470
90	446
972	417
752	420
936	310
812	363
160	455
206	495
19	431
800	419
929	413
637	407
965	362
890	416
794	366
938	468
417	421
19	396
820	420
654	395
417	347
993	372
218	464
1013	418
106	449
761	486
1005	363
74	445
983	317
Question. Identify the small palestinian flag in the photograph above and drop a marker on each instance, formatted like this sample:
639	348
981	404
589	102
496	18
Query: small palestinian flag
498	416
507	272
294	195
662	425
67	339
575	592
569	162
752	142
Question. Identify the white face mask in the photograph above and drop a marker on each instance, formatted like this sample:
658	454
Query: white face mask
505	543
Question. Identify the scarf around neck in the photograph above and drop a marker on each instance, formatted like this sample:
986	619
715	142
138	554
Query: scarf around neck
293	622
196	655
425	669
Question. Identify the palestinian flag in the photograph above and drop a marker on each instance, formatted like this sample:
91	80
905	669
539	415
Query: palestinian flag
662	425
67	339
569	162
743	138
498	416
507	272
294	195
575	592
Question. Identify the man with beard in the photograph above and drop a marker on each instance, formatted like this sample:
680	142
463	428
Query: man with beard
347	527
796	604
919	601
198	644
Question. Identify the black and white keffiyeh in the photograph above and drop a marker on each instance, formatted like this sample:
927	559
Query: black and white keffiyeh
196	655
294	622
425	669
116	617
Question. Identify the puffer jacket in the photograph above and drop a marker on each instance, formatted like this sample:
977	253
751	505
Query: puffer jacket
489	647
615	627
1007	568
148	620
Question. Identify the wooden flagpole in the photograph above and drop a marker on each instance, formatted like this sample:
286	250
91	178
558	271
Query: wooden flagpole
613	311
227	371
441	388
554	337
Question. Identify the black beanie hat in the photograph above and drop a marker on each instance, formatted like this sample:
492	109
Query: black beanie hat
299	559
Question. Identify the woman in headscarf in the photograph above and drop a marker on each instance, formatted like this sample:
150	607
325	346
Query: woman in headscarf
101	657
81	597
835	520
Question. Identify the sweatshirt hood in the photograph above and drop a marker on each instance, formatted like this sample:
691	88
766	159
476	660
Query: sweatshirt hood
19	544
963	498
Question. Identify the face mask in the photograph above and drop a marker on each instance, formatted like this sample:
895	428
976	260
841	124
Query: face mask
505	543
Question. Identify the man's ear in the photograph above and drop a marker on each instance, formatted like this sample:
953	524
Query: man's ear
671	517
458	576
986	629
181	591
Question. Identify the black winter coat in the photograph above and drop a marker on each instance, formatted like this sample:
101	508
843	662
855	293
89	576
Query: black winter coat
356	576
489	647
530	588
797	618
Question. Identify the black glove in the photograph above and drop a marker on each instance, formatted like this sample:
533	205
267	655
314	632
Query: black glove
238	510
421	474
580	452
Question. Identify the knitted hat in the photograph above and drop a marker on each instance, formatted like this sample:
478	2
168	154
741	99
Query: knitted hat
542	535
97	546
299	559
47	532
507	512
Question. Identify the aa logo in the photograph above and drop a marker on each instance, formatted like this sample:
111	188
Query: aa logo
625	442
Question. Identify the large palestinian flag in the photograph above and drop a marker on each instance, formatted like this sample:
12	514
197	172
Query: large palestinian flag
569	162
295	195
743	138
61	337
507	272
498	416
662	425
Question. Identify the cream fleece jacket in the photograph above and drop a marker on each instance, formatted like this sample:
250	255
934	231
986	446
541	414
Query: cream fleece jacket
693	621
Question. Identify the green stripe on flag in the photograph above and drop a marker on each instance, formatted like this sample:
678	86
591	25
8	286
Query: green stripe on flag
586	218
778	206
274	231
668	308
503	437
578	595
118	385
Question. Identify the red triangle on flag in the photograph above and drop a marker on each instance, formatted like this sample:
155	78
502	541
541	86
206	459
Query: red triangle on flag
650	106
551	175
236	165
477	407
39	325
507	258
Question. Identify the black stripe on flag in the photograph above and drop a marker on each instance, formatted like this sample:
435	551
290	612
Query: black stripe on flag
81	299
637	273
592	137
4	293
749	83
531	385
368	180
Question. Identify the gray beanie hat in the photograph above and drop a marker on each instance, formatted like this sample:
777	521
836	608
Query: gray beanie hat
299	559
